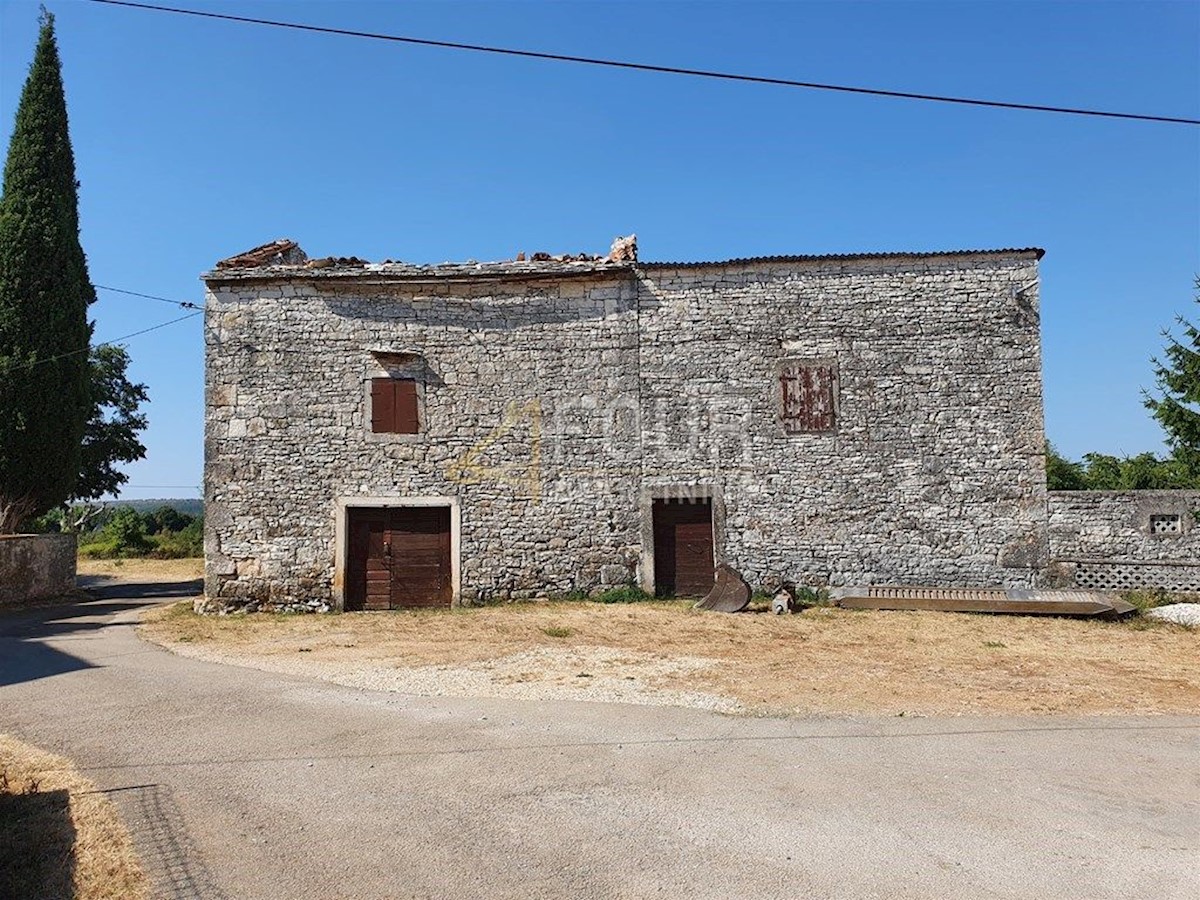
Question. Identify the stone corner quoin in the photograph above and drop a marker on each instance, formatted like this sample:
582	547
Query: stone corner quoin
386	434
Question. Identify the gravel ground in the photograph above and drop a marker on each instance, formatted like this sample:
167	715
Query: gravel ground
1187	614
596	674
255	785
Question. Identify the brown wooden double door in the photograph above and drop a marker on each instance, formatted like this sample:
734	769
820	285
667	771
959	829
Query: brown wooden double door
683	547
398	558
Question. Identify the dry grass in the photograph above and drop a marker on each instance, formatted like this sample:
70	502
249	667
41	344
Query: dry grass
142	569
822	661
59	837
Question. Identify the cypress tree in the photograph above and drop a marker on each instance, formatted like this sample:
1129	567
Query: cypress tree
45	397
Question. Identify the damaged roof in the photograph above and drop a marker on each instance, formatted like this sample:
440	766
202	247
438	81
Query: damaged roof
284	259
283	252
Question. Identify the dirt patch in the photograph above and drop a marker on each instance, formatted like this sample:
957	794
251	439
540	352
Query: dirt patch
59	837
141	569
822	661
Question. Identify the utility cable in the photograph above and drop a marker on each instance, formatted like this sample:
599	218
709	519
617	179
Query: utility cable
182	304
647	67
124	337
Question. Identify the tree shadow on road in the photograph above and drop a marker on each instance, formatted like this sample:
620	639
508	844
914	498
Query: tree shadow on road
104	587
25	654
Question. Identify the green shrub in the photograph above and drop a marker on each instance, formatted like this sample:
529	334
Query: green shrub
126	532
125	535
188	542
807	596
99	548
625	594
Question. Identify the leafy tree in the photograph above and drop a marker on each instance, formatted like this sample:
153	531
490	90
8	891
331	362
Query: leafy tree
1178	379
71	518
44	295
111	434
1061	473
1101	472
1144	472
166	519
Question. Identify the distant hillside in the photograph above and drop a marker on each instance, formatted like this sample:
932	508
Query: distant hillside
189	506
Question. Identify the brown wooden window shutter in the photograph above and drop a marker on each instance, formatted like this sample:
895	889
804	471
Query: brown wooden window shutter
383	405
394	406
406	419
809	391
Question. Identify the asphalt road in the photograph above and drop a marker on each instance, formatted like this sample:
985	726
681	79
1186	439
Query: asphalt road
242	784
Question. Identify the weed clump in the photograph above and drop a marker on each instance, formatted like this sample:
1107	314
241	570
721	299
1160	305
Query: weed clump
625	594
1148	598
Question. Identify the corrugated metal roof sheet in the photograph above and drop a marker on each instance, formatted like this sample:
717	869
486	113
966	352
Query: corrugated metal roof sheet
834	257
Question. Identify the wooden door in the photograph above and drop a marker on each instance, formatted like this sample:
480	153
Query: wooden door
368	570
420	557
398	558
683	547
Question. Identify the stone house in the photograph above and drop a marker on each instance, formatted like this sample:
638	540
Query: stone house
392	434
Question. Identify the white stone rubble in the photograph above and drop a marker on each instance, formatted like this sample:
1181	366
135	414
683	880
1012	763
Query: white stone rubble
1178	613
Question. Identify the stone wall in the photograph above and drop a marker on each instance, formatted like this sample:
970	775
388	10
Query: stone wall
522	384
934	473
1115	540
558	404
35	567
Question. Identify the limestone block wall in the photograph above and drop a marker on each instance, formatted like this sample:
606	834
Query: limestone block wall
1115	540
35	567
557	403
525	385
934	471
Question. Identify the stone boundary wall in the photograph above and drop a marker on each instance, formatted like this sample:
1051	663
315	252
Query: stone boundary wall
35	567
1118	540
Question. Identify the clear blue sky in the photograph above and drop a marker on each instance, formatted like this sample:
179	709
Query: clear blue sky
197	139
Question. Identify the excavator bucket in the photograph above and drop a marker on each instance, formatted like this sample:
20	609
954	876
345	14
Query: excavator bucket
729	594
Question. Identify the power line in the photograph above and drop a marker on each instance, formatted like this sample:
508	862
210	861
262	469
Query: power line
182	304
647	67
124	337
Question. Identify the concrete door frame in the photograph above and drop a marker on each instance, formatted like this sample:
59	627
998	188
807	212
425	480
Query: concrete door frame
341	538
677	491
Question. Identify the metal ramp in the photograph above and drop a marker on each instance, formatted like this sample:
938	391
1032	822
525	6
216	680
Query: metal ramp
1018	602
